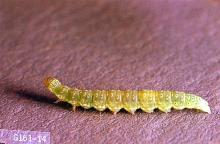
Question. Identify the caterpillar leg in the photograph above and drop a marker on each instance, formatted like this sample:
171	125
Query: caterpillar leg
74	108
166	110
114	111
57	101
132	111
147	110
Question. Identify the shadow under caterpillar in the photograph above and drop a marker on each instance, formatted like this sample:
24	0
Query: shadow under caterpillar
130	100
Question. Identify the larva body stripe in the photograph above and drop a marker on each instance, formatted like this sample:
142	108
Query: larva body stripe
130	100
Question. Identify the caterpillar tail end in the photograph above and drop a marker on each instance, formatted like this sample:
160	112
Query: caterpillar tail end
204	106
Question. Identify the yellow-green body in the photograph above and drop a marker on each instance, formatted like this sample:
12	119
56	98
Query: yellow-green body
130	100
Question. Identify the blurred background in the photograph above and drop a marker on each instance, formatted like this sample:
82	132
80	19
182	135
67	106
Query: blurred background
109	44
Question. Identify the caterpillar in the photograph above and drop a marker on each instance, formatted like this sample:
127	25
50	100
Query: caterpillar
130	100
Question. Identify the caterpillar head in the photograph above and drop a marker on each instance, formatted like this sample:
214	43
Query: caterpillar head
51	83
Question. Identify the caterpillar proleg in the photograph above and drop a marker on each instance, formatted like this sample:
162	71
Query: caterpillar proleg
130	100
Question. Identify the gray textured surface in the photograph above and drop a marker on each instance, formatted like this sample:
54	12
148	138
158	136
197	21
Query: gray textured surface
172	45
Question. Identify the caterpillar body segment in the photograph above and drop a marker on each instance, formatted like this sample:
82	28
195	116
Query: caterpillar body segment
130	100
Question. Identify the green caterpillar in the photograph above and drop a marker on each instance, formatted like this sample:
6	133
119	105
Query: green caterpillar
130	100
